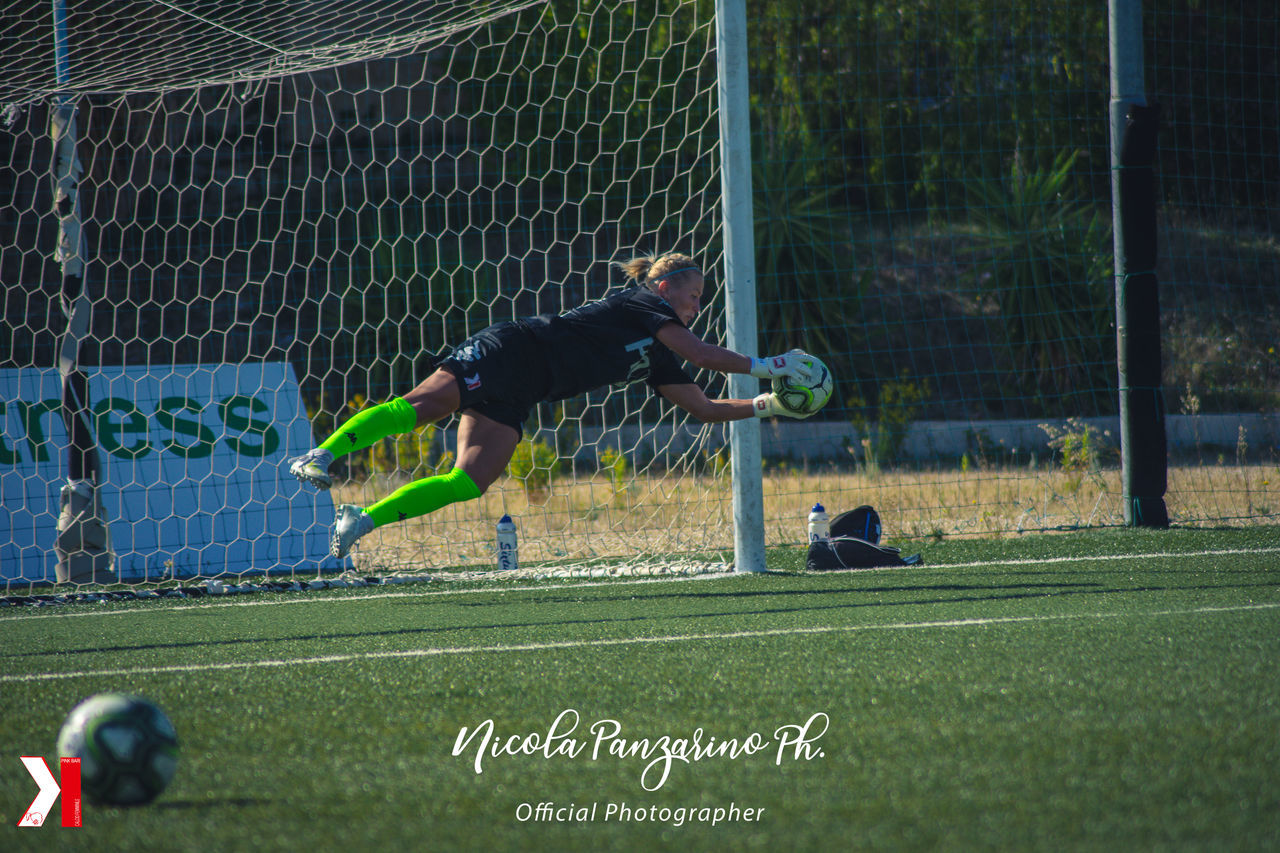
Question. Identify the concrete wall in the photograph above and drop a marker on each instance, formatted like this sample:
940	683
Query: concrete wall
929	440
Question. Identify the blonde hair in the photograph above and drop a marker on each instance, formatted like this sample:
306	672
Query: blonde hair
651	269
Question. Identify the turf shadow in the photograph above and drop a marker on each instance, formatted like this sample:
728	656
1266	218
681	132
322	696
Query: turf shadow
1013	592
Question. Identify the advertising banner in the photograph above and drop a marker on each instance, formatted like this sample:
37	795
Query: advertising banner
191	457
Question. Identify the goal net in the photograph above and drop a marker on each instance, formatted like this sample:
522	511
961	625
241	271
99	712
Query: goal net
286	212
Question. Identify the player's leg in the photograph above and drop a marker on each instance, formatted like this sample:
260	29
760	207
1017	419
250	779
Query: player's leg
435	397
485	447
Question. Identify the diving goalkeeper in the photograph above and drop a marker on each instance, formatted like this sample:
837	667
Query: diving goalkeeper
498	375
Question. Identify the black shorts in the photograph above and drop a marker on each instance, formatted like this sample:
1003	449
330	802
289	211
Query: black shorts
501	373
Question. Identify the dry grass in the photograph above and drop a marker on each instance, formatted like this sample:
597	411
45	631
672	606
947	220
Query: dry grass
587	517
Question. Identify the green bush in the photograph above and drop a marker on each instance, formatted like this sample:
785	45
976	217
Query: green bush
883	427
1082	449
615	464
535	465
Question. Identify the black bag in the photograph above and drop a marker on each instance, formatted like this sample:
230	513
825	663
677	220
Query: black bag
861	523
849	552
854	544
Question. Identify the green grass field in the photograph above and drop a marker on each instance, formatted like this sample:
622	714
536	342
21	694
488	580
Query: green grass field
1110	689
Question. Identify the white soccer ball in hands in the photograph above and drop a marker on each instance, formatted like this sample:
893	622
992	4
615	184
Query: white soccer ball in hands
794	364
767	405
805	396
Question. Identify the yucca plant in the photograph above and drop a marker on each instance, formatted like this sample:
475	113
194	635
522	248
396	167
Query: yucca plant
808	286
1044	255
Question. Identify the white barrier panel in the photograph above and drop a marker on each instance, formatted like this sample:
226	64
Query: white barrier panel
192	466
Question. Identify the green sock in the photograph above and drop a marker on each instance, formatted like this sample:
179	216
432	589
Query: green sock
423	496
394	417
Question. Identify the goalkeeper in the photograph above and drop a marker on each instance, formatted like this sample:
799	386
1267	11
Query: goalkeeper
498	375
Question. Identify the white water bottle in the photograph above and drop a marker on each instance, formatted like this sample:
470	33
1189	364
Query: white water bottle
508	553
819	524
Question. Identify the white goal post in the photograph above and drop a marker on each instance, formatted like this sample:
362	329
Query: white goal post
287	210
739	274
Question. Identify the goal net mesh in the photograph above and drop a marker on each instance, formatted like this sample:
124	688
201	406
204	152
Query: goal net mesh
290	210
348	190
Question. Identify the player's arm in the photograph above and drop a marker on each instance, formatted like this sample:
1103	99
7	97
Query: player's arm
690	397
700	353
709	356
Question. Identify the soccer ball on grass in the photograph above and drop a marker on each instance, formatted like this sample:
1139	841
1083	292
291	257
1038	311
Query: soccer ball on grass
127	747
802	398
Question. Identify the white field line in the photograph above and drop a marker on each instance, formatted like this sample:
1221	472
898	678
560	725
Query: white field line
1229	552
304	598
618	641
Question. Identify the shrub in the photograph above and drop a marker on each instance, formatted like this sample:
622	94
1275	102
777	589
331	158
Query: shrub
534	464
884	427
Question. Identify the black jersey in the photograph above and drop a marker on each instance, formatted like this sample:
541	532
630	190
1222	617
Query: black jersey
607	342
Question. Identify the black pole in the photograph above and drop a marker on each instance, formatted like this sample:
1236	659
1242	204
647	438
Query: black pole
1143	442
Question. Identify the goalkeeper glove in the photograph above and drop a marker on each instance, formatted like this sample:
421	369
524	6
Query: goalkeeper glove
791	364
768	406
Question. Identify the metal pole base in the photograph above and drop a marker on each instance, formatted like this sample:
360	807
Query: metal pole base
1146	512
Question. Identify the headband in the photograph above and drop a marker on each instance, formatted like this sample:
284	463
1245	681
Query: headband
674	272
